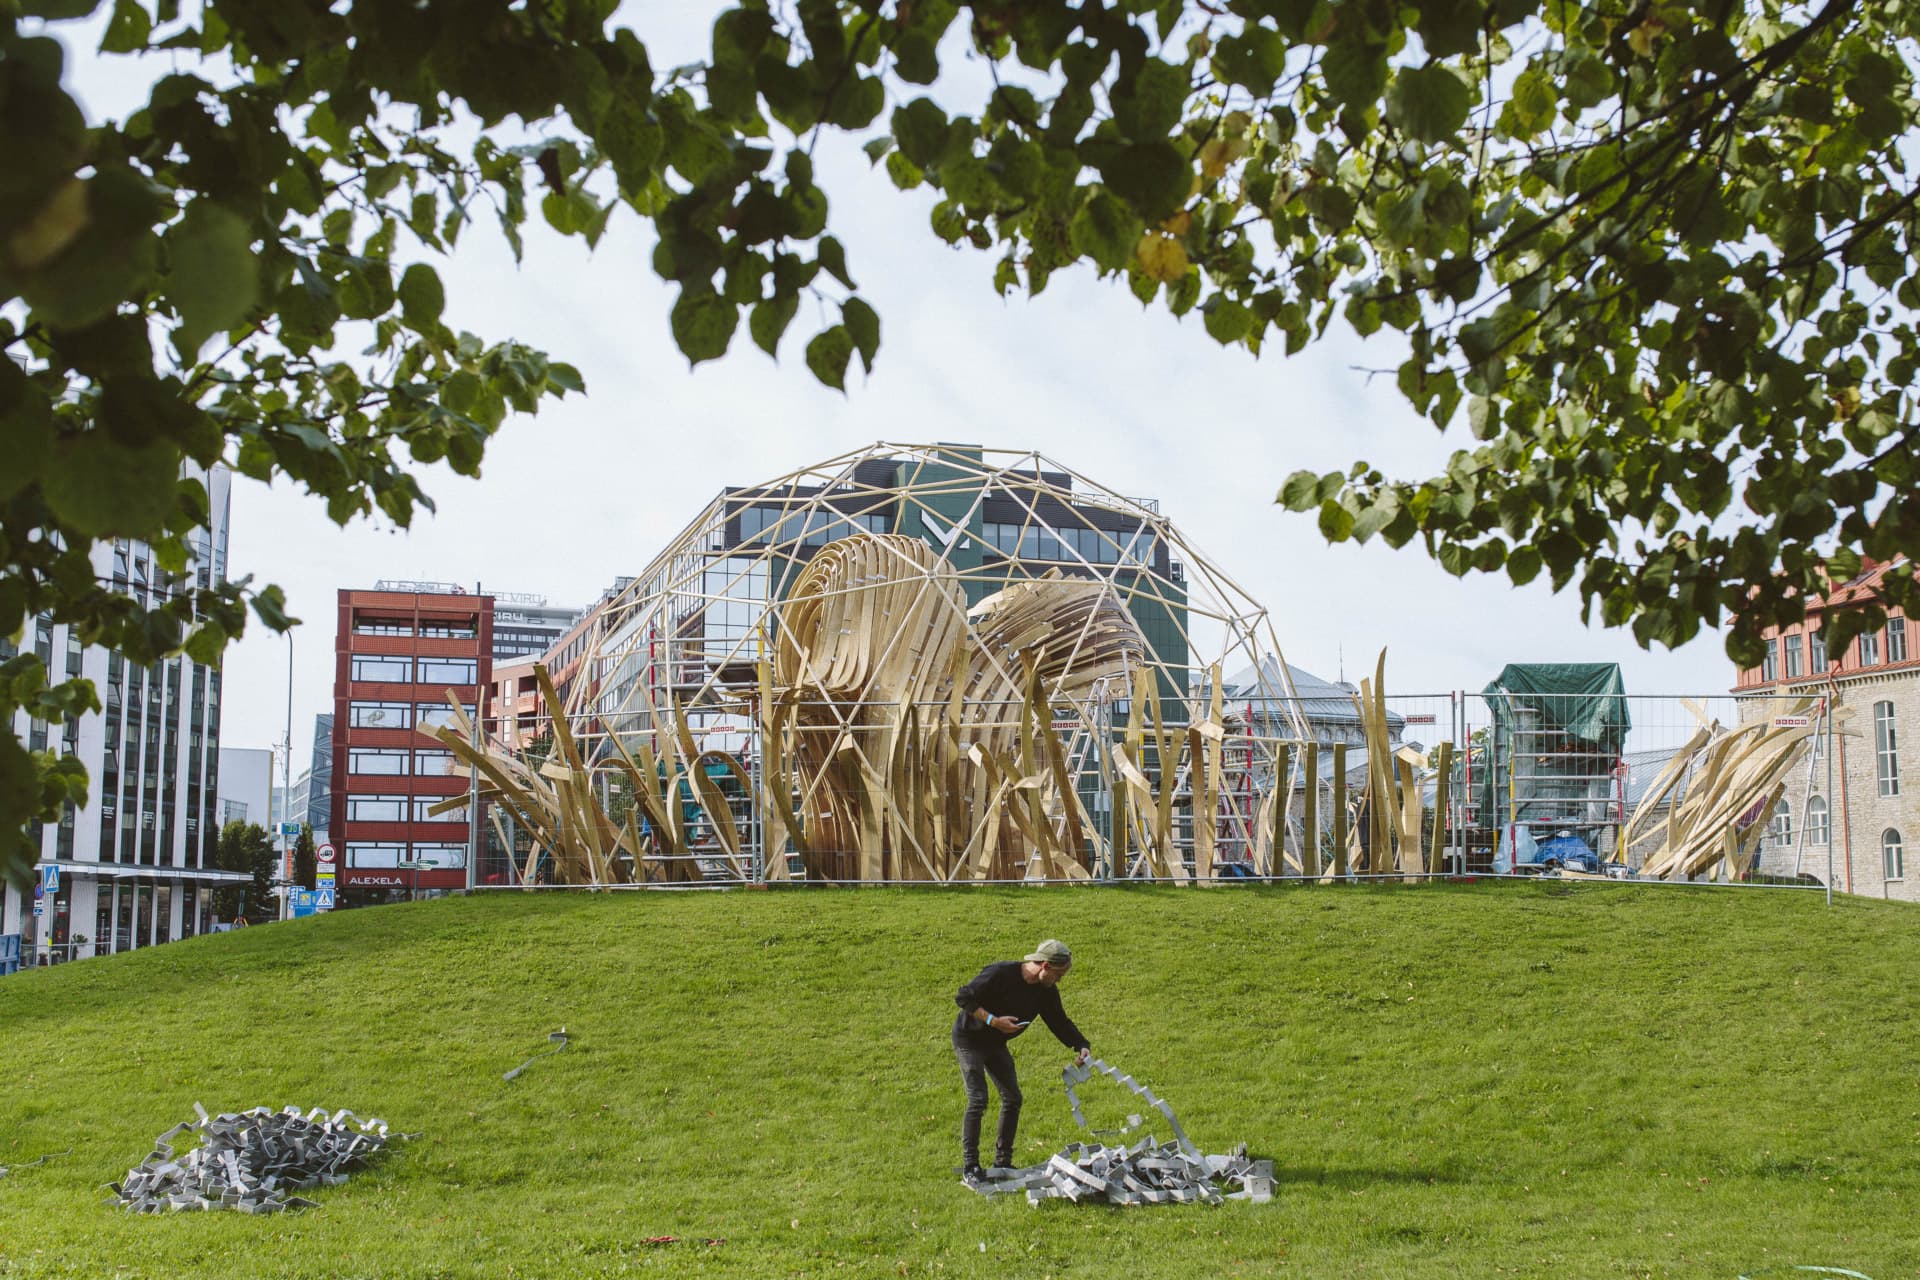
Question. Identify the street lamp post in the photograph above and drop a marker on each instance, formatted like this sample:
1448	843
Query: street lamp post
413	869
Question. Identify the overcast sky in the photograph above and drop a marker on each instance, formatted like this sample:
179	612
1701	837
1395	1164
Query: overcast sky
1150	406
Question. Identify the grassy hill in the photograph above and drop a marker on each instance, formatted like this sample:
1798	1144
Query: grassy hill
1542	1080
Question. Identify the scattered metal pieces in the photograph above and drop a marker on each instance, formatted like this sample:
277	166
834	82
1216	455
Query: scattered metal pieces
250	1160
28	1164
1073	1075
1148	1172
559	1041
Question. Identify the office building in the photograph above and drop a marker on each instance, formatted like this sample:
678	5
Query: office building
398	654
135	864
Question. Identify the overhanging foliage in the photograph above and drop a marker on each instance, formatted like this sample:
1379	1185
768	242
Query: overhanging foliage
1660	254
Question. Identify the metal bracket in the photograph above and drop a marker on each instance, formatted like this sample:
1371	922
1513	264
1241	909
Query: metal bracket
1073	1075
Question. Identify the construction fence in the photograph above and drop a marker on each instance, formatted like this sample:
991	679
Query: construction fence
1416	786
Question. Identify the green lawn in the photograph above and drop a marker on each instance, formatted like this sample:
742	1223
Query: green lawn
1453	1081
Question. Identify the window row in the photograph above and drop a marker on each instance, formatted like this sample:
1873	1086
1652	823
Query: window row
366	808
807	528
1784	656
1094	546
393	855
1893	856
399	670
399	715
374	626
399	762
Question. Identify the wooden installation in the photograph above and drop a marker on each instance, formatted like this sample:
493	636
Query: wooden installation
1718	792
909	663
1378	829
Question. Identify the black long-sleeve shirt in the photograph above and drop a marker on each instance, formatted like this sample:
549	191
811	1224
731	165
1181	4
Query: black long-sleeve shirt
1003	992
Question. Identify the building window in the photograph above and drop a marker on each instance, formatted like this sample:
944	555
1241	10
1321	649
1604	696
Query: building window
1886	750
376	808
380	715
445	856
1770	665
1869	648
1893	858
1817	820
1896	639
1780	830
374	853
450	630
1816	651
423	804
437	715
391	761
449	670
433	764
382	627
1790	647
388	670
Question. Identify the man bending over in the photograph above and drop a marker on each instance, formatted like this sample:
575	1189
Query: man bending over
996	1007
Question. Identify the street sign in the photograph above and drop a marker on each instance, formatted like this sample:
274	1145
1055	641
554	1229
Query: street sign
323	855
322	875
50	878
303	903
323	897
39	892
39	909
290	829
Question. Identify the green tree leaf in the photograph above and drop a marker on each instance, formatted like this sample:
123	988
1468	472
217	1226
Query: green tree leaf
827	356
102	488
1429	103
1153	177
421	297
1106	231
213	279
863	325
770	319
703	325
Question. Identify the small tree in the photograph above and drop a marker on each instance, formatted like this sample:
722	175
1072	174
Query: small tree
303	860
245	846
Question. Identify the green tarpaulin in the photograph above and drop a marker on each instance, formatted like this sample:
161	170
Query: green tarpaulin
1568	723
1586	699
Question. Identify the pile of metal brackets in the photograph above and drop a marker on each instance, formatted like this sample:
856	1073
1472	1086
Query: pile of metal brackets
251	1160
1148	1172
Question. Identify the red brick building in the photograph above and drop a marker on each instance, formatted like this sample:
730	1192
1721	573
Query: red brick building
397	655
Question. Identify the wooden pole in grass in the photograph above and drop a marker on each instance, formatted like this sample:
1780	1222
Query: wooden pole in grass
1282	801
1340	808
1310	812
1441	786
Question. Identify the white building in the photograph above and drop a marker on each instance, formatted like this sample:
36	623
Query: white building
135	864
246	787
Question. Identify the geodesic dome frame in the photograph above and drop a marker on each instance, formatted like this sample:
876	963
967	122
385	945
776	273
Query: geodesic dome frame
916	662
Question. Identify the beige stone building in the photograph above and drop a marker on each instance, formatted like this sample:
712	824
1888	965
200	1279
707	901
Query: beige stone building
1863	806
